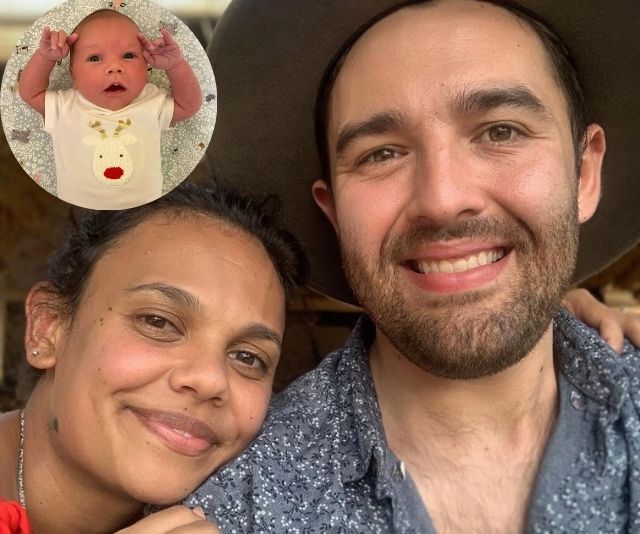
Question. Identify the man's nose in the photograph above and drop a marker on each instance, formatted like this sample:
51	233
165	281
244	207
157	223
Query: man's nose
445	185
204	375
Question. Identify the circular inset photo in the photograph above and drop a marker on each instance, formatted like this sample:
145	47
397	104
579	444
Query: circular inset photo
108	104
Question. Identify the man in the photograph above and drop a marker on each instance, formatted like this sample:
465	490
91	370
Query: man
459	163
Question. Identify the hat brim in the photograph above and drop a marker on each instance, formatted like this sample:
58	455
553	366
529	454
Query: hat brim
269	58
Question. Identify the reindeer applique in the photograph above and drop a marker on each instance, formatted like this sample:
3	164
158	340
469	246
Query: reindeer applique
112	163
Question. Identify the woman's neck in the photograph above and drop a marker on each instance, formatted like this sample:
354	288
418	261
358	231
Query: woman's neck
61	496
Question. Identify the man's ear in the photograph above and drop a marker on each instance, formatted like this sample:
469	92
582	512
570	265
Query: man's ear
324	199
46	326
591	172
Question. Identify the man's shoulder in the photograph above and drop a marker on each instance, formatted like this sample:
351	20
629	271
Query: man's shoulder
306	452
307	416
593	367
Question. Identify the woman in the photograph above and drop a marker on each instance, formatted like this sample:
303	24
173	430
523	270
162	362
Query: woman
158	333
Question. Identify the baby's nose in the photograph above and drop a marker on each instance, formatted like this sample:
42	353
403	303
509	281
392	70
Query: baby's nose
114	66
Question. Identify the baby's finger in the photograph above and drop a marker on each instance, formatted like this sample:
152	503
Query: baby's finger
144	41
72	39
146	56
62	38
168	38
53	40
158	41
46	34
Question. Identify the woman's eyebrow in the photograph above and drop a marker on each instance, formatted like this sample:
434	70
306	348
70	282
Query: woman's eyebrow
176	294
261	331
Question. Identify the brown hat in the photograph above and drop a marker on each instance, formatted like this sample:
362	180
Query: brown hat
269	57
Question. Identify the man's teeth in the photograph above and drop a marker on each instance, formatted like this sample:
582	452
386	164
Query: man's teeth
461	264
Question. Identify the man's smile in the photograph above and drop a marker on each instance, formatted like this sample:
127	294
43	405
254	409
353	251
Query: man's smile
459	264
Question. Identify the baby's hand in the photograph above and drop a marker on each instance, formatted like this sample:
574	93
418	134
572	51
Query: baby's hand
54	45
161	53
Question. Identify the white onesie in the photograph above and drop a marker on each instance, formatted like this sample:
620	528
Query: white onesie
107	159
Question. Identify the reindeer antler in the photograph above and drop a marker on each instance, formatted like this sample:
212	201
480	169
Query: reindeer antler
96	126
121	126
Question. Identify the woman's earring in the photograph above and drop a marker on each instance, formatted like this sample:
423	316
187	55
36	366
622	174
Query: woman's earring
35	353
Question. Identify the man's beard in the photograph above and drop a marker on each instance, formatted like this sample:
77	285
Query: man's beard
469	335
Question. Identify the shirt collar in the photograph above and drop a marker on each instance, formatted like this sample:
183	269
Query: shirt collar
581	356
362	402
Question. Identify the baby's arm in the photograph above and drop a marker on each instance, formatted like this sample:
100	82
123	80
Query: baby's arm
164	53
54	45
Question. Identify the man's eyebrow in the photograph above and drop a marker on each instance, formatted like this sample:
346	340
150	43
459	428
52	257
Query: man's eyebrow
176	294
483	100
260	331
378	124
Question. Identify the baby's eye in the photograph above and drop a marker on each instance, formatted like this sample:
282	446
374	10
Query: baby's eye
93	58
129	55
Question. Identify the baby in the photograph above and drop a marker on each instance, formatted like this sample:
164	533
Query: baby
106	129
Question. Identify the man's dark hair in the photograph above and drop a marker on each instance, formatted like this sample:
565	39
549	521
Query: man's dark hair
564	72
95	232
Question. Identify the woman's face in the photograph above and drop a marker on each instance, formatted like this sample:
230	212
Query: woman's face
165	372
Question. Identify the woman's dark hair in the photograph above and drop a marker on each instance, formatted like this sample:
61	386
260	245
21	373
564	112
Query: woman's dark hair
562	65
95	232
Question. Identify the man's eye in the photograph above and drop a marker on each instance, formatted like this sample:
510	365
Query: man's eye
248	359
501	133
381	155
94	58
129	55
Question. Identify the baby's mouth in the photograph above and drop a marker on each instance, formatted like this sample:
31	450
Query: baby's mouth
115	88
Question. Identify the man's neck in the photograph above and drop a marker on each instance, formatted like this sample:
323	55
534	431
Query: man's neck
469	444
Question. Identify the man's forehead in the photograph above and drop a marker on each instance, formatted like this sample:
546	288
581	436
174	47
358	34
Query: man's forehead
439	18
467	43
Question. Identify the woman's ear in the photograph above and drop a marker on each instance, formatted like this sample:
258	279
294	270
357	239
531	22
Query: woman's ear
46	325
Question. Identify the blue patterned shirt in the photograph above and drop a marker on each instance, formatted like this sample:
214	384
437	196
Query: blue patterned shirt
321	462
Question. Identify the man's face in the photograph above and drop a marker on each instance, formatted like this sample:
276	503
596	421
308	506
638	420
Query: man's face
454	188
108	67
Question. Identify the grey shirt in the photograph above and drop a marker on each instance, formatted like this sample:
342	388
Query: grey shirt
322	464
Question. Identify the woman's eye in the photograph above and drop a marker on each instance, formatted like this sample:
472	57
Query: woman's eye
156	321
248	359
94	58
158	327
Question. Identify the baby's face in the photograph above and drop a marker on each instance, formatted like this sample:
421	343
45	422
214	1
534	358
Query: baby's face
107	66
